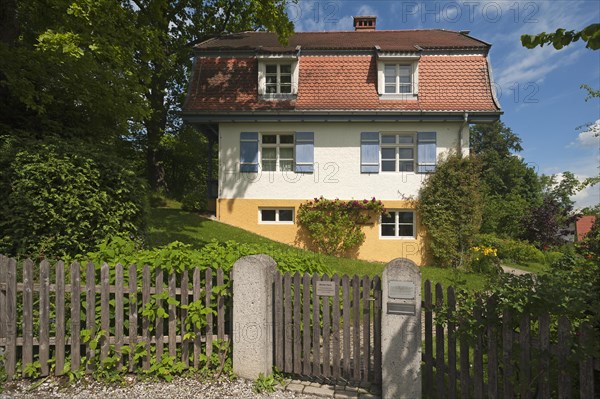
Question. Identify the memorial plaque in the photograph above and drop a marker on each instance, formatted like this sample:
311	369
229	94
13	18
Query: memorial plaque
401	308
401	289
325	288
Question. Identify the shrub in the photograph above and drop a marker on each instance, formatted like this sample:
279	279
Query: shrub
62	198
484	259
335	227
194	201
513	250
450	207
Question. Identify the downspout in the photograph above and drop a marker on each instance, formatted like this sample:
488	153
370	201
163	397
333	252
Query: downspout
465	124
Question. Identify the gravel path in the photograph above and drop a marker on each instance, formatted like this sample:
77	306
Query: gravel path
181	388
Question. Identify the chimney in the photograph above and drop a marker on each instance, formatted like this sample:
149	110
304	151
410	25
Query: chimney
365	23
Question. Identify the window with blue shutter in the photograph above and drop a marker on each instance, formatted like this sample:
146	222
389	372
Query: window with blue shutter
369	152
249	152
305	152
426	152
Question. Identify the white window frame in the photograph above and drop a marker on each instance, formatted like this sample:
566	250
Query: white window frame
263	61
397	223
410	61
278	146
397	145
277	210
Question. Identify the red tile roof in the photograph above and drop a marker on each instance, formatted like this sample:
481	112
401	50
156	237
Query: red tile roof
446	83
390	40
583	225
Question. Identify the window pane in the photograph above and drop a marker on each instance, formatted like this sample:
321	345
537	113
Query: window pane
390	80
286	88
405	79
269	139
405	139
405	217
405	88
404	70
271	79
269	153
286	153
286	215
407	166
388	139
286	68
271	89
405	231
390	70
286	79
267	215
389	218
271	68
269	166
388	153
286	139
405	153
388	166
388	230
390	89
286	166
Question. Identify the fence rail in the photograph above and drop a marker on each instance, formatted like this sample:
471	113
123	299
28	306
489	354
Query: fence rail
62	312
508	355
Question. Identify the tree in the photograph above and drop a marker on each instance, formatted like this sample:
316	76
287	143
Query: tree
450	208
562	37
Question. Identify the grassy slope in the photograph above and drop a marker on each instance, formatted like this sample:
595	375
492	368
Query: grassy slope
171	224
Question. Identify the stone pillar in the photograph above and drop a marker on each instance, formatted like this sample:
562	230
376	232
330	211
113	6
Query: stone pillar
401	330
253	316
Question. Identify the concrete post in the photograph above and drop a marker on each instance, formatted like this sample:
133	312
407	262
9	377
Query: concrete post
401	330
253	316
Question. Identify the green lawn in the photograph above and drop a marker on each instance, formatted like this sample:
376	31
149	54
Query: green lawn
172	224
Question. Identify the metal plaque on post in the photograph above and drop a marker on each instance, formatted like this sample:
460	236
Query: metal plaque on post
401	289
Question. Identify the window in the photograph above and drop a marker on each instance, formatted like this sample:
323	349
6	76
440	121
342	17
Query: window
398	79
278	78
397	153
277	152
398	224
276	215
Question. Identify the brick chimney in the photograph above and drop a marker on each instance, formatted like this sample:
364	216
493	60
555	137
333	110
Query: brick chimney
365	23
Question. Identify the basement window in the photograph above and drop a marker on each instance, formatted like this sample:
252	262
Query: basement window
276	215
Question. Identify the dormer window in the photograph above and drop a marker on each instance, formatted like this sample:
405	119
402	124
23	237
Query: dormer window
398	77
277	77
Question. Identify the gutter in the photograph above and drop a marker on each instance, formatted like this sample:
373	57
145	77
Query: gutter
461	131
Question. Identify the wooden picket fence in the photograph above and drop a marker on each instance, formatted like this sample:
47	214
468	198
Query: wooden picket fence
514	360
334	337
52	329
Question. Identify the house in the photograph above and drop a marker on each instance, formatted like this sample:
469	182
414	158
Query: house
350	115
583	225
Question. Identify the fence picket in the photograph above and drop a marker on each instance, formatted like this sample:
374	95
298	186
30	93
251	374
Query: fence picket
366	287
335	314
478	354
288	331
544	378
492	350
159	322
346	321
197	332
564	347
3	296
185	347
10	360
28	312
586	364
524	363
326	334
44	354
297	318
377	328
465	383
104	309
59	341
306	366
316	342
278	309
119	311
209	317
451	299
220	312
439	344
507	350
428	372
172	315
356	327
133	316
145	320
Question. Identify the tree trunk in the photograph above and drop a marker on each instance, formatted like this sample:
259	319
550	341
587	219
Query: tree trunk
155	128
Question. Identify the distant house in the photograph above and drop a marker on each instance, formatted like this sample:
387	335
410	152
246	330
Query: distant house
583	225
350	115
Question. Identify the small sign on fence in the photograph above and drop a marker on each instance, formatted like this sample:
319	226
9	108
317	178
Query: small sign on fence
401	290
325	288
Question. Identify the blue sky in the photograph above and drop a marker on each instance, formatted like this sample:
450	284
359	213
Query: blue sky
539	89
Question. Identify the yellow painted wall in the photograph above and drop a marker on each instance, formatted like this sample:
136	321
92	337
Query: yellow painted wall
243	213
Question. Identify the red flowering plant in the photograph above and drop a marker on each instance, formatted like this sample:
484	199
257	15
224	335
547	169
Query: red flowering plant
335	227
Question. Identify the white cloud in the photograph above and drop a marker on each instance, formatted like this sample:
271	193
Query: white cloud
590	137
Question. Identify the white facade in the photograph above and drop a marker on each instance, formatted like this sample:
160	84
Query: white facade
337	162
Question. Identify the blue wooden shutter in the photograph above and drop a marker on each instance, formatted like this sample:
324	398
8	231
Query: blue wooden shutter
369	152
249	152
426	152
305	152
